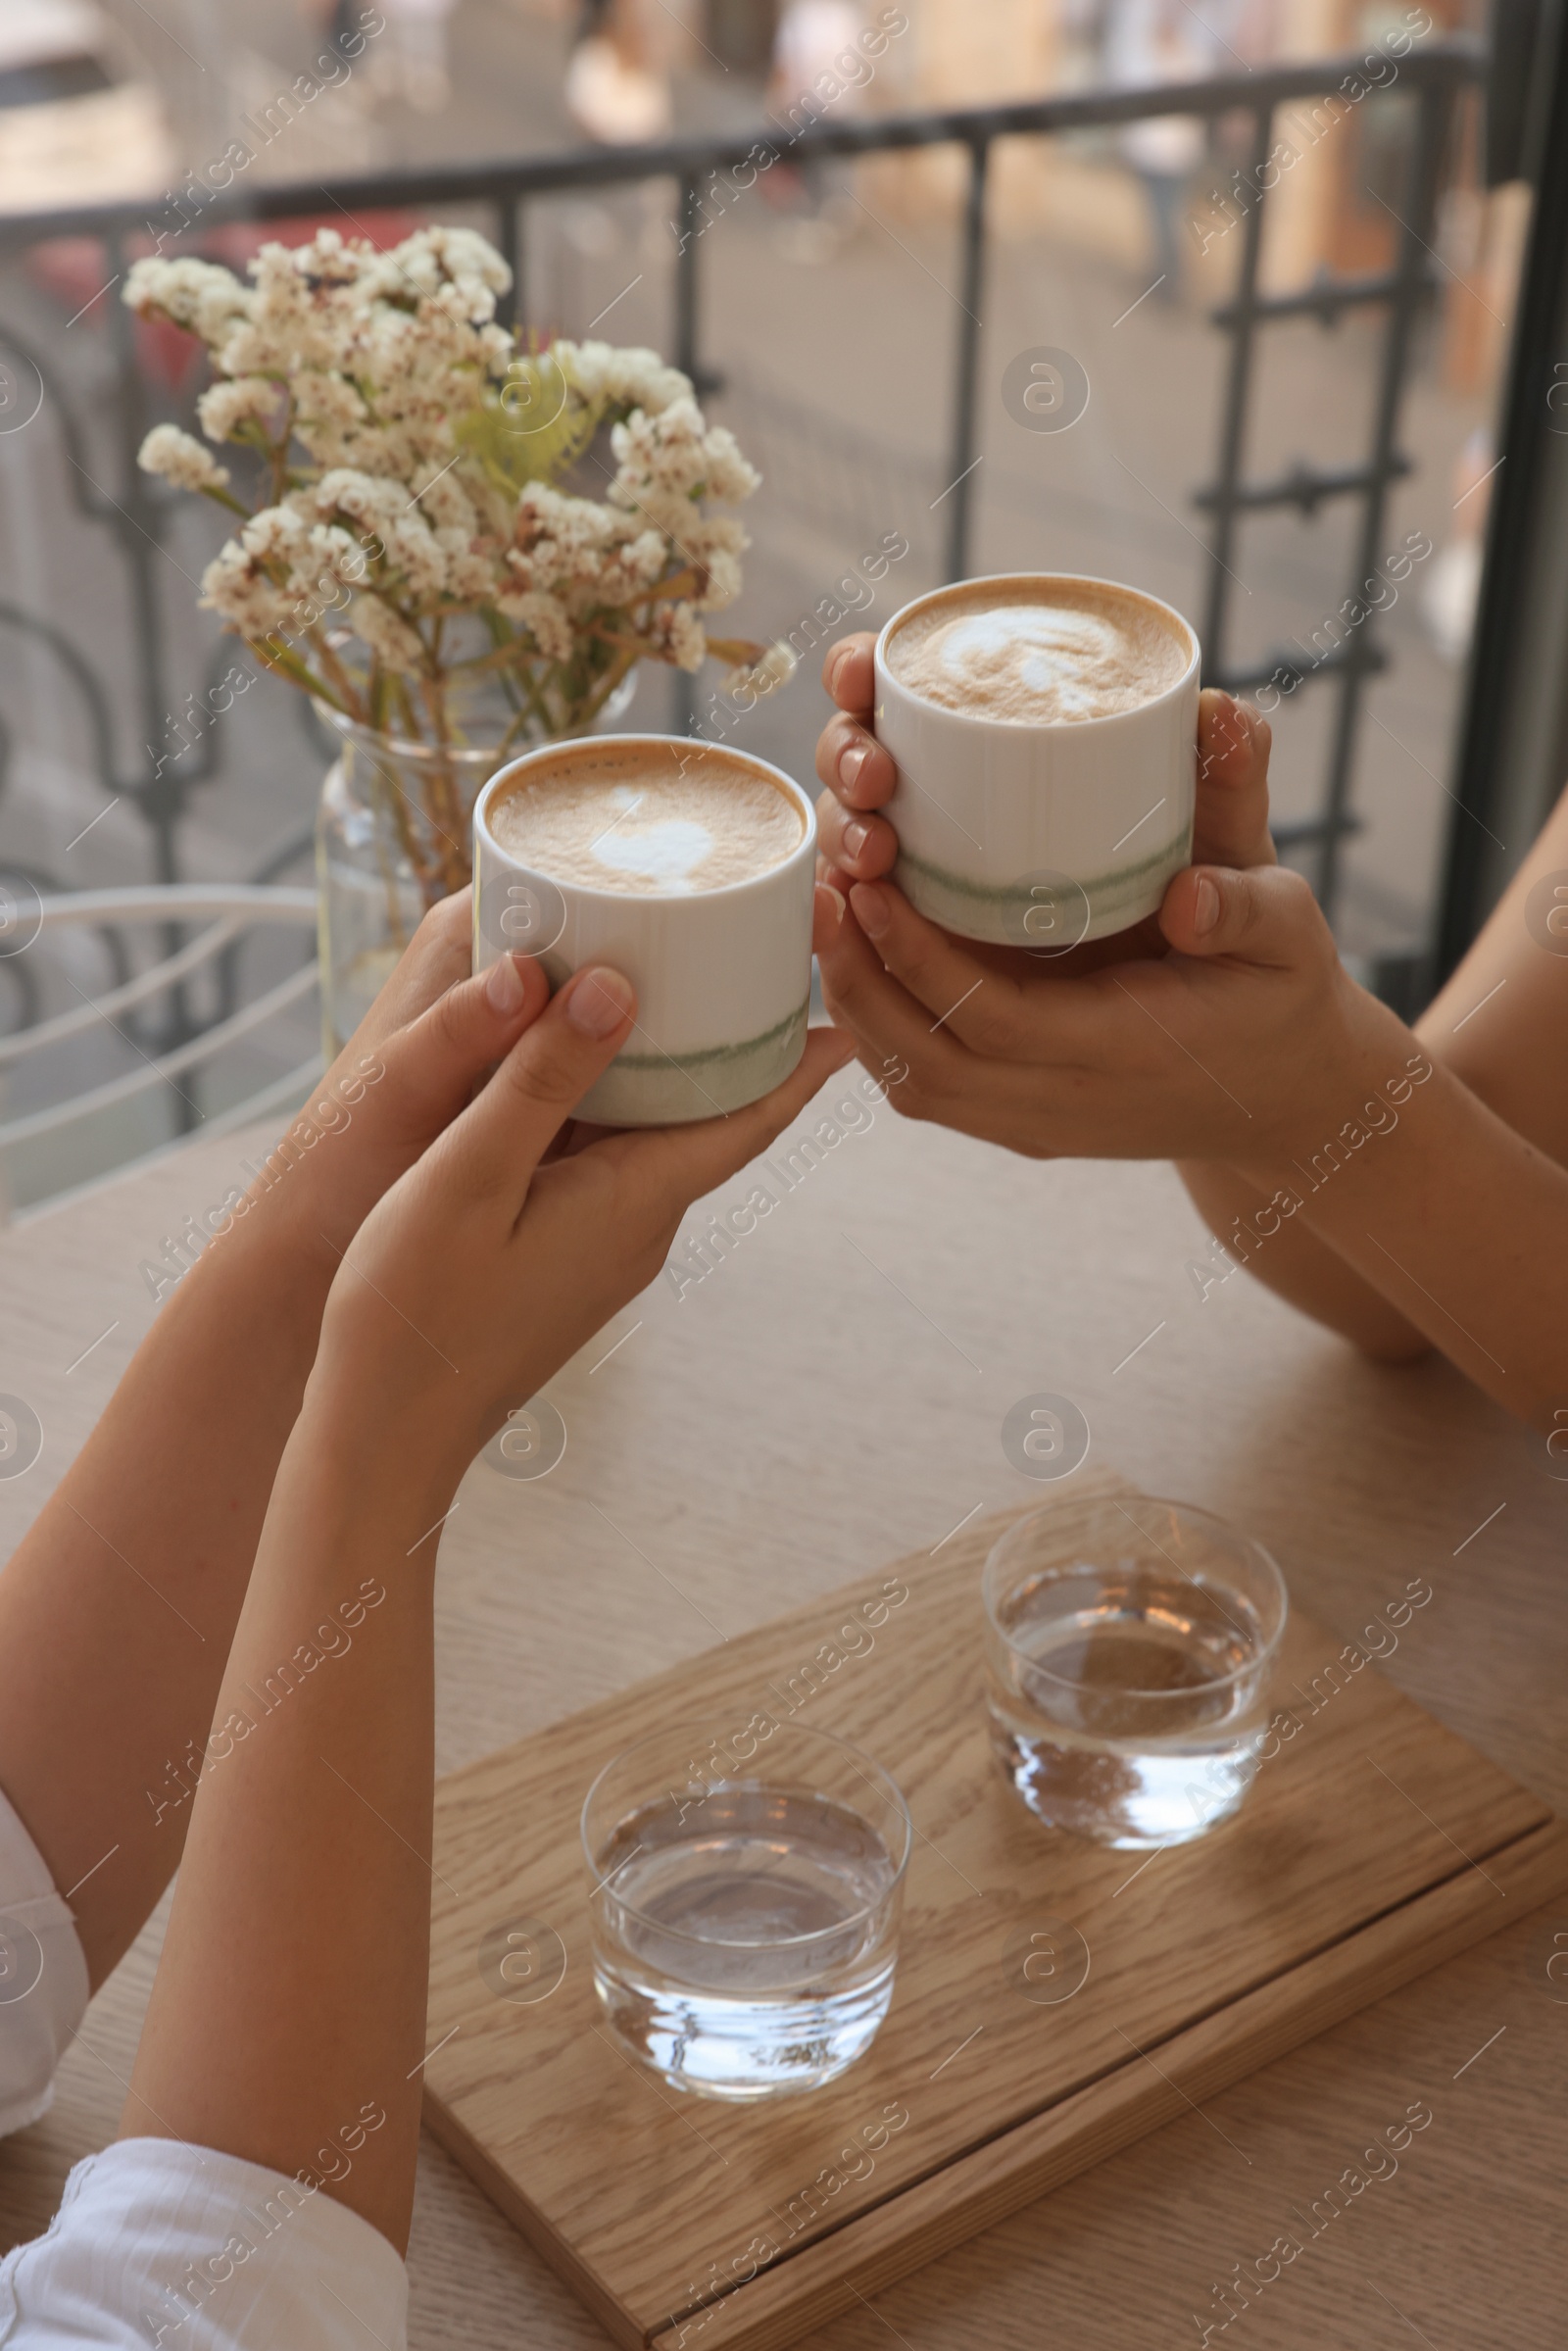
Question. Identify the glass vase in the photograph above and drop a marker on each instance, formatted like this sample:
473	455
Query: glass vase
394	835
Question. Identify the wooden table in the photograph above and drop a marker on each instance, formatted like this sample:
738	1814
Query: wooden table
832	1396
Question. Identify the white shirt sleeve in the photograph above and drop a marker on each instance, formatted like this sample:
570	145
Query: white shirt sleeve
43	1977
157	2244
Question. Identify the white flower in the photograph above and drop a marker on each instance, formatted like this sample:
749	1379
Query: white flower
471	566
249	399
180	458
775	669
327	256
626	572
497	349
366	498
335	556
436	262
704	535
374	505
663	467
564	539
677	635
444	503
730	477
197	295
278	534
371	366
545	619
327	399
659	454
610	377
234	587
723	583
412	550
398	645
646	556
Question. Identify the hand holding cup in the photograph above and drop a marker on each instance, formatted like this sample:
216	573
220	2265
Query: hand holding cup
1220	1028
501	1253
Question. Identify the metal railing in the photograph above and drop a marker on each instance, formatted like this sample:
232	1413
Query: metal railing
1431	77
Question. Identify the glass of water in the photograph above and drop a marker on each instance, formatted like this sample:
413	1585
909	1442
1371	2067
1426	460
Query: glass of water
747	1882
1129	1650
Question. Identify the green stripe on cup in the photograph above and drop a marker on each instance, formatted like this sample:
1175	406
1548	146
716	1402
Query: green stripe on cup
657	1089
977	909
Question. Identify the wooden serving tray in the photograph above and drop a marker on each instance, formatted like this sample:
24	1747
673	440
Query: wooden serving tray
1374	1845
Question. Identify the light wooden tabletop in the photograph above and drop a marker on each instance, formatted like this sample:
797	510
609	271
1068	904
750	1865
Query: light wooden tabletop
830	1397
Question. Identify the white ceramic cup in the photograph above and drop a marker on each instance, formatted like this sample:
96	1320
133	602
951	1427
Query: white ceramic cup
1039	833
723	977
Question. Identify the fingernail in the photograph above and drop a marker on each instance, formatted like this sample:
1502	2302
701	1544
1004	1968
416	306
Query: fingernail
851	761
870	909
504	987
856	837
599	1002
1206	906
834	899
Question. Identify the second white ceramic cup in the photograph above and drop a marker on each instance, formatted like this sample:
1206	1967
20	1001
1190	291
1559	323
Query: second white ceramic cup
1040	834
723	977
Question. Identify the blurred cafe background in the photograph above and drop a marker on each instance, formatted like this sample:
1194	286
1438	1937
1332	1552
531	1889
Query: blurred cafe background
1290	353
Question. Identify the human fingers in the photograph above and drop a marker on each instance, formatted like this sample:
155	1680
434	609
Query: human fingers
974	1001
1266	916
862	846
889	1024
855	765
392	1096
678	1164
849	672
1000	1006
1230	820
828	904
436	957
492	1151
433	1065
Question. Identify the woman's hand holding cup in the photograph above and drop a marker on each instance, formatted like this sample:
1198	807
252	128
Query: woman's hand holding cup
518	1236
1222	1028
858	845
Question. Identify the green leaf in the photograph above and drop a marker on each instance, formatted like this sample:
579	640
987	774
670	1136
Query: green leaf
529	428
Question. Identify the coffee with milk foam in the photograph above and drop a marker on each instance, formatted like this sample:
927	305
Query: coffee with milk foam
1038	658
633	820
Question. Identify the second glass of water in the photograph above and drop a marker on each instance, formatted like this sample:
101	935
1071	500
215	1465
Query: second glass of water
1129	1647
746	1891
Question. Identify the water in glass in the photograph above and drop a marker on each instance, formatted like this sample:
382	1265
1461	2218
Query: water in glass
1127	1669
745	1937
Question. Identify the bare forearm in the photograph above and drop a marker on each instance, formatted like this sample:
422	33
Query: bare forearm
1462	1225
1492	1026
291	1995
288	2022
1501	1022
116	1611
1299	1266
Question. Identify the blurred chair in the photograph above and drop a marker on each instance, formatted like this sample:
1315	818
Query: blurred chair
65	1162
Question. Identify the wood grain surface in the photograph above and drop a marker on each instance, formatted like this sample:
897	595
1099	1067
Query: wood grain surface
1333	1883
829	1398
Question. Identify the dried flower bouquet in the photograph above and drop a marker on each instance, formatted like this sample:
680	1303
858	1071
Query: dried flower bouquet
414	539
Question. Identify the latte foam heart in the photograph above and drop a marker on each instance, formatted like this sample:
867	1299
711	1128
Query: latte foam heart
647	822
